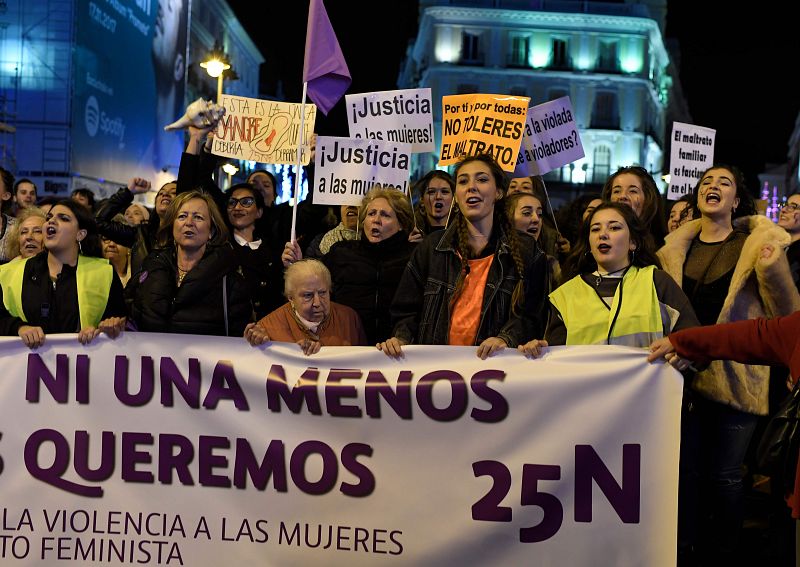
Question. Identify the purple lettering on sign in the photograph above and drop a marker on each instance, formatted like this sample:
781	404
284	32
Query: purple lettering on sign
399	399
169	460
58	385
272	465
107	456
624	498
499	405
458	400
188	388
552	510
132	457
330	467
366	484
53	474
335	391
304	391
224	386
122	383
208	461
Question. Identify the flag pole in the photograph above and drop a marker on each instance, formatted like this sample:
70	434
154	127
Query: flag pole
297	174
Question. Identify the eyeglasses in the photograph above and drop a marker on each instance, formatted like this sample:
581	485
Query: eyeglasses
793	207
245	202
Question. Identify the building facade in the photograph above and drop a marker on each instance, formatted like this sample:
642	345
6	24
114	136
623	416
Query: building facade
610	59
87	87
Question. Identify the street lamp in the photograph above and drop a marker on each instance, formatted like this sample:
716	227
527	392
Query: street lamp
230	170
216	64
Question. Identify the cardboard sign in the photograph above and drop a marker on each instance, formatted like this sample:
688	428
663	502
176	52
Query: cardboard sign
404	116
347	168
551	139
692	152
482	124
262	130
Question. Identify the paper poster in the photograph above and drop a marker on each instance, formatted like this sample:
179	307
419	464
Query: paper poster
404	116
692	152
482	124
264	131
347	168
551	139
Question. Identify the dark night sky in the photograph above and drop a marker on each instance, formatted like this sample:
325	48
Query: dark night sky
736	67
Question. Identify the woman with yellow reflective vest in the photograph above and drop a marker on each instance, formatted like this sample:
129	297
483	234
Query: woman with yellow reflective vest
619	296
68	288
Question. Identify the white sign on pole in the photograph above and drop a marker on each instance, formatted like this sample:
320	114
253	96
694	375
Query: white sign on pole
404	116
692	152
551	139
347	168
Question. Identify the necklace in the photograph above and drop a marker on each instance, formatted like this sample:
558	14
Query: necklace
600	276
181	275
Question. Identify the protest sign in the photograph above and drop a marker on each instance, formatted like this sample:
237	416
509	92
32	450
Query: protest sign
347	168
176	450
551	138
262	130
482	124
691	153
393	116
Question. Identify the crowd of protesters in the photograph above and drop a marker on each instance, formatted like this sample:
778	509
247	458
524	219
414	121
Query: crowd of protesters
472	258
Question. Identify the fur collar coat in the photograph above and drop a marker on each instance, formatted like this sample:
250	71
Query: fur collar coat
760	287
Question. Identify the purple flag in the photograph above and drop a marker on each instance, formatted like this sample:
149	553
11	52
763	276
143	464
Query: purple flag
324	67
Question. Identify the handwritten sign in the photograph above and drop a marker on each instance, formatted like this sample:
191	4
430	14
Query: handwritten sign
551	138
393	116
347	168
692	152
482	124
262	130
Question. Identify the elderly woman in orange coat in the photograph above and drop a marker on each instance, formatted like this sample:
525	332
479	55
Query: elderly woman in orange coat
309	318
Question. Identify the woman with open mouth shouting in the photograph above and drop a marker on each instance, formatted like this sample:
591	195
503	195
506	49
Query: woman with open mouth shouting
191	283
479	282
732	265
66	288
617	294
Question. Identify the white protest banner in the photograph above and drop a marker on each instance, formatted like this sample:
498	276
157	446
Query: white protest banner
551	138
393	116
204	451
262	130
482	124
691	153
349	167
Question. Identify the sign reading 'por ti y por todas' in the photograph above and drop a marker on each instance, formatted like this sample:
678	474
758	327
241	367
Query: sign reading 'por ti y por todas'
551	138
691	153
404	116
482	124
175	450
347	168
265	131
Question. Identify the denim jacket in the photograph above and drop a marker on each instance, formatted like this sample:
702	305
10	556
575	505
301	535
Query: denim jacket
421	307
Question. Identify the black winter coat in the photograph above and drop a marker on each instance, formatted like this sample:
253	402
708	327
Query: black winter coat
196	307
365	278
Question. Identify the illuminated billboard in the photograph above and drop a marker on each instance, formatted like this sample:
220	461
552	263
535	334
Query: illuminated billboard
129	80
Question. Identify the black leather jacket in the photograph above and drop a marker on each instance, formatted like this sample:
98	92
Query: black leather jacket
421	306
